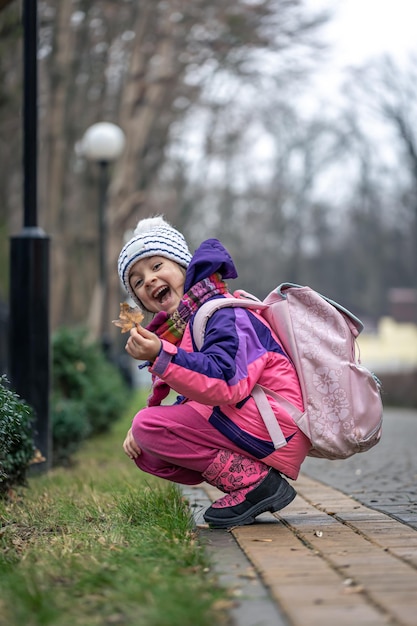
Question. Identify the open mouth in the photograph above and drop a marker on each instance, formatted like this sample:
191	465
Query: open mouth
162	294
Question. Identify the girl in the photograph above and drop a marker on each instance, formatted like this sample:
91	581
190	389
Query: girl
214	431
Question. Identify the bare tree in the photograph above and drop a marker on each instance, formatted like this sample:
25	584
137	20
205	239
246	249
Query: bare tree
200	45
10	133
258	197
389	91
143	66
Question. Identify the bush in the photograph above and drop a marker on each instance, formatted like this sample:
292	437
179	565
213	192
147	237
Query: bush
89	393
17	448
70	426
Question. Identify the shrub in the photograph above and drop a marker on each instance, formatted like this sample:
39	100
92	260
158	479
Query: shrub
17	448
70	426
89	393
73	359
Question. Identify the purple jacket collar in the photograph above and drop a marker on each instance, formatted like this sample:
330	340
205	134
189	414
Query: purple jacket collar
210	257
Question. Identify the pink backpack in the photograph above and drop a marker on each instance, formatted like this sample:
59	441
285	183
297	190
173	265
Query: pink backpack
343	407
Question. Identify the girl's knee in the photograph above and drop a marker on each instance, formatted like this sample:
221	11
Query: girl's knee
144	425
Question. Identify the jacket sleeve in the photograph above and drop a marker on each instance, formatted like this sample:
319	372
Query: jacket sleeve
226	369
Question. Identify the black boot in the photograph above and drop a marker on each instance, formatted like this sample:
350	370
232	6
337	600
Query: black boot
272	494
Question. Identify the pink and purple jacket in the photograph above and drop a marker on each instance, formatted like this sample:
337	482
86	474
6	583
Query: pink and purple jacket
239	350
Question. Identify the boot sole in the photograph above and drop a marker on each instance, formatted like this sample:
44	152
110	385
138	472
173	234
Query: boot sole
273	503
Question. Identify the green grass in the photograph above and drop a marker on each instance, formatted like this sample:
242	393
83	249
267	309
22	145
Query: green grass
102	543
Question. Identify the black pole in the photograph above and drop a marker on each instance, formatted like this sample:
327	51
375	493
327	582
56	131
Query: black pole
30	112
29	343
102	222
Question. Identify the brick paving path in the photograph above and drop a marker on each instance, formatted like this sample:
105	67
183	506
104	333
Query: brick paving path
343	553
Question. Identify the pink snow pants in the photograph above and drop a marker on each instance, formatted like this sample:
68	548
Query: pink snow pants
177	443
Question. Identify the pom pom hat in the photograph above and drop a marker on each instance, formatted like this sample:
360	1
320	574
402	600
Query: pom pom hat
152	237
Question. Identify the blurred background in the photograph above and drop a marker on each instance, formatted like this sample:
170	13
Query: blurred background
286	128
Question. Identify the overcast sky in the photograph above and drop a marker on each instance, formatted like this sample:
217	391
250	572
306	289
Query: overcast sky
365	28
359	31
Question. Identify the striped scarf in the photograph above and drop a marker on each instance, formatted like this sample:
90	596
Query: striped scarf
171	327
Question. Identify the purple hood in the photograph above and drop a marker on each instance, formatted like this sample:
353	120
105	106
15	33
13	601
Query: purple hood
211	256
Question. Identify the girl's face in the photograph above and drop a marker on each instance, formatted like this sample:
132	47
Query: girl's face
158	283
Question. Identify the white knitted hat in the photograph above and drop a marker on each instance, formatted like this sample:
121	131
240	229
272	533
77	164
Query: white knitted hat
152	236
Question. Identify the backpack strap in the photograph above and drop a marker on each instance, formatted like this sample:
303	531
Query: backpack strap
289	407
199	326
208	308
268	416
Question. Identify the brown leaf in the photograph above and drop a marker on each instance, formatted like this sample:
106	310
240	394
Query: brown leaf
37	458
129	317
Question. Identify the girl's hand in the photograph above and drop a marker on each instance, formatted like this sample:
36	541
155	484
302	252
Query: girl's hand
143	345
130	446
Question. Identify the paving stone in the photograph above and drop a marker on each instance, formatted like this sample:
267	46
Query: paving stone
344	551
253	604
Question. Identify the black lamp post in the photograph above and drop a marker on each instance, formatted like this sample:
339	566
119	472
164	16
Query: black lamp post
29	345
103	143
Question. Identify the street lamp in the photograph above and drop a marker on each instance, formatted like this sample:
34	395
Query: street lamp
103	143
